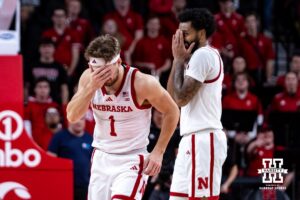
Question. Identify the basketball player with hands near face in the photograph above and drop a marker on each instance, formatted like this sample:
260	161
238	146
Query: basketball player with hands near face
196	88
121	98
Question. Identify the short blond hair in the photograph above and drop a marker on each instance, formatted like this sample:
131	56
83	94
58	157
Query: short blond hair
104	46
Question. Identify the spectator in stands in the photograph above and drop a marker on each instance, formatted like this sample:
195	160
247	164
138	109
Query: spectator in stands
167	11
67	43
230	26
294	67
289	100
75	144
110	27
242	99
152	53
238	65
130	24
259	148
80	26
160	6
230	169
258	51
53	125
52	70
35	112
53	120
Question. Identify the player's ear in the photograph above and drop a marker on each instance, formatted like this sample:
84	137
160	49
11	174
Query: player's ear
202	34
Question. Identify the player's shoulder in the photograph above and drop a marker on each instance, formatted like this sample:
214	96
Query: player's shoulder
144	79
145	83
204	52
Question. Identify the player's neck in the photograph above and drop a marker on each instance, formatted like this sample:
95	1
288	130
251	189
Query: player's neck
203	43
112	89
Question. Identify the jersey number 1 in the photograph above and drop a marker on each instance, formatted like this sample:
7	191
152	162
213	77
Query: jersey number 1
112	126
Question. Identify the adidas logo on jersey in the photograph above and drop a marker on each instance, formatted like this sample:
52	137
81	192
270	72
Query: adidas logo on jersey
109	99
134	168
188	152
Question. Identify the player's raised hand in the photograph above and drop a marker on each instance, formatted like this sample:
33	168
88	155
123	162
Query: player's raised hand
178	48
153	163
99	76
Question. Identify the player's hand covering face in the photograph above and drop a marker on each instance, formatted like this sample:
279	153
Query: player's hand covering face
180	52
99	76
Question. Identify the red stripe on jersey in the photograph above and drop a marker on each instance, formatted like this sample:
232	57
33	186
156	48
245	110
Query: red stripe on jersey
139	177
123	80
201	198
178	194
213	80
121	197
212	160
92	158
133	94
193	165
126	69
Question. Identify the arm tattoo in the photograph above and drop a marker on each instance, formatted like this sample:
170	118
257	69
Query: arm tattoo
185	88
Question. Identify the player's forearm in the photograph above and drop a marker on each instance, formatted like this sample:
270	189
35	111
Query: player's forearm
180	94
79	104
169	125
176	79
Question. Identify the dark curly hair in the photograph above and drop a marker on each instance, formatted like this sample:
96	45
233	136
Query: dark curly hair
201	18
